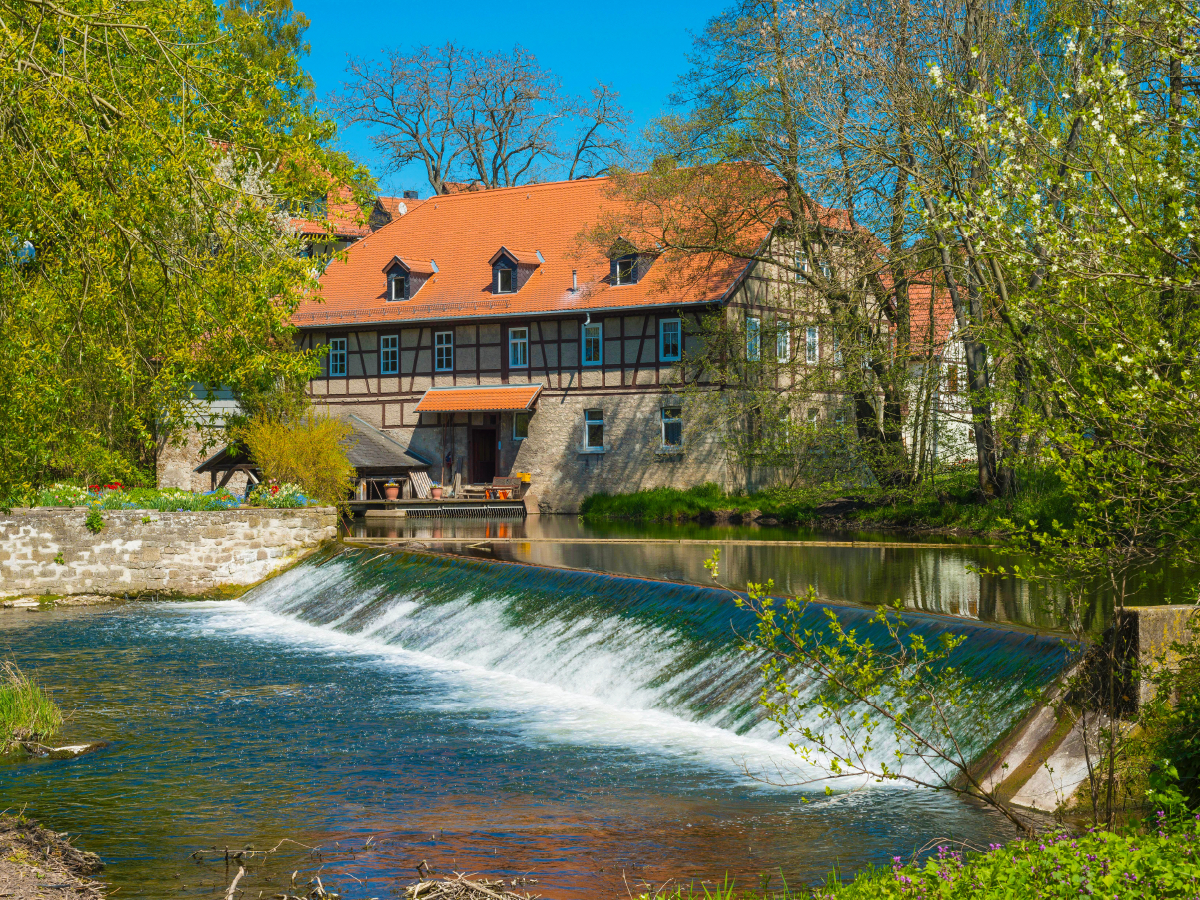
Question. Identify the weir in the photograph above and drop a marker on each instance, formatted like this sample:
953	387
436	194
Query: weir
630	643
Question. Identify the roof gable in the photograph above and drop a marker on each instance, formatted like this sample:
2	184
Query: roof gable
411	265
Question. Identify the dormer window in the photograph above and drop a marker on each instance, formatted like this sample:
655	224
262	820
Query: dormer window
627	265
397	285
405	277
512	268
625	270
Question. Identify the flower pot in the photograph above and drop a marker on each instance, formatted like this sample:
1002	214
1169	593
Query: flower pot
437	493
391	491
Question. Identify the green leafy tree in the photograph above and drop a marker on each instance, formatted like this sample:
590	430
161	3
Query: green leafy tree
145	151
274	41
1089	206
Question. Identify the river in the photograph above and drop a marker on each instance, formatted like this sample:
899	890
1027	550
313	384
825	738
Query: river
585	731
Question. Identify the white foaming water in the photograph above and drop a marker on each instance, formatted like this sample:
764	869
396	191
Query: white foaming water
578	675
614	659
544	712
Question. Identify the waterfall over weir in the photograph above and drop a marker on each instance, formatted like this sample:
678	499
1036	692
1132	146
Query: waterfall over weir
632	645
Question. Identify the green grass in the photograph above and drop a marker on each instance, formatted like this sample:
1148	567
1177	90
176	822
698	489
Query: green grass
26	713
1161	862
950	503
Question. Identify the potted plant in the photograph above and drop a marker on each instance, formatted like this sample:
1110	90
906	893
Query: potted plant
436	492
391	490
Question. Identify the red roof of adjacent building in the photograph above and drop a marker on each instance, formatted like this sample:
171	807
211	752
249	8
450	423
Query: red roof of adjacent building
482	398
460	234
931	314
343	218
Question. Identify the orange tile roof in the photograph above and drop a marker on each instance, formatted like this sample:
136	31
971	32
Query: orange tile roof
483	398
390	204
931	314
413	265
461	232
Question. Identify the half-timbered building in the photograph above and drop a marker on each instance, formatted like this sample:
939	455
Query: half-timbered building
478	333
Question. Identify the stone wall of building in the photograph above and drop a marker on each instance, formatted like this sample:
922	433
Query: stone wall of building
562	472
177	460
51	551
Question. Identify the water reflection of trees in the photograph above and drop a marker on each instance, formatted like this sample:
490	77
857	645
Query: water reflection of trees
955	580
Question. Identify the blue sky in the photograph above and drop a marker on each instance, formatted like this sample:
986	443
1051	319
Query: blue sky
640	48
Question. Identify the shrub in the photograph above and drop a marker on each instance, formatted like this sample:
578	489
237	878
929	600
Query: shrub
309	451
169	500
94	521
26	713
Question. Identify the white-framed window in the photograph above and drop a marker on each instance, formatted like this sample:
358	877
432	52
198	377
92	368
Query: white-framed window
521	425
443	351
624	273
670	339
397	286
783	340
826	269
837	350
337	357
801	266
672	426
593	429
812	346
389	355
593	344
504	280
814	413
518	348
753	338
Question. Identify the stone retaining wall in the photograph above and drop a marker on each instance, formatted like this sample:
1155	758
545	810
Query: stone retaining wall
50	551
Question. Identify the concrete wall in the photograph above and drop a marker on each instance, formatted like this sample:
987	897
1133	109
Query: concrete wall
1145	636
184	553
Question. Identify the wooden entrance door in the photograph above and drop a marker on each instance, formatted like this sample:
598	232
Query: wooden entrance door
483	455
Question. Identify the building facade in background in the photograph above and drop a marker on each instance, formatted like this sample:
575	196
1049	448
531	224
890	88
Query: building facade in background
477	332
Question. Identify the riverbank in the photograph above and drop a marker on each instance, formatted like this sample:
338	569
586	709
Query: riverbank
1160	861
950	505
38	864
